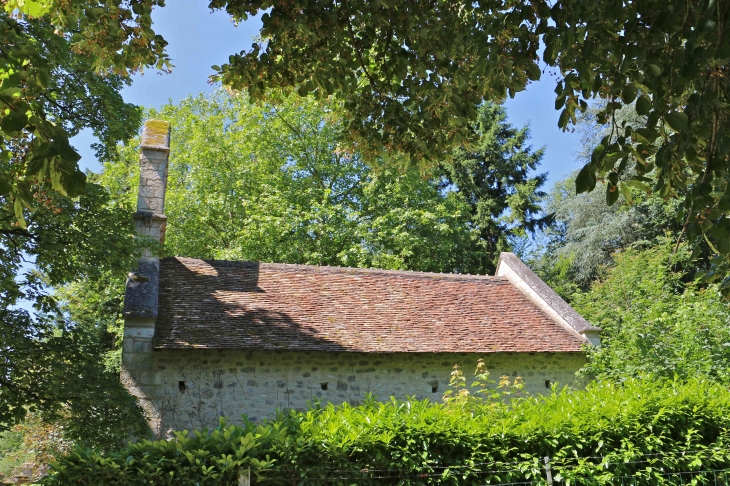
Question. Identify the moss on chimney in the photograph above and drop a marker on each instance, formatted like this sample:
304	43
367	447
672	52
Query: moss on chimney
156	134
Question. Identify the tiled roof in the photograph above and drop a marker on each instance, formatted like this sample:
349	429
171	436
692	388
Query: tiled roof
243	305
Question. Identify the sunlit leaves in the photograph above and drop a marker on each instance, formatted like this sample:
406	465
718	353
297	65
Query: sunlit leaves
61	67
646	431
409	84
654	324
412	74
275	182
31	8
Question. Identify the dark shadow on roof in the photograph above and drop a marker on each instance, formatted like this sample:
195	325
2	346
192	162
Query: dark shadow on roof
193	302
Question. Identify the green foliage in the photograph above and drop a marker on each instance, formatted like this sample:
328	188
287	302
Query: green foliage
483	387
211	458
62	65
51	358
412	75
639	429
275	183
496	179
587	233
12	452
54	370
32	441
559	273
654	324
617	266
94	305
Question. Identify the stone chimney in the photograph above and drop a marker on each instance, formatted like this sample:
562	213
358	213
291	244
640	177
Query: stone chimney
154	151
141	296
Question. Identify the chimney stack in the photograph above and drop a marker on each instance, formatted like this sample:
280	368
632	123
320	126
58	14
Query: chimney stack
154	151
141	296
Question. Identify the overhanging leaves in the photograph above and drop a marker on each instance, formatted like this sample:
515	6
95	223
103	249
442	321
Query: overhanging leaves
677	121
398	67
586	179
62	65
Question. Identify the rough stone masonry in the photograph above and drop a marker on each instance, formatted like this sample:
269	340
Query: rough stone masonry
197	386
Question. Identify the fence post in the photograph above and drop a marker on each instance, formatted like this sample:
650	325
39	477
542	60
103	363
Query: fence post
548	473
244	478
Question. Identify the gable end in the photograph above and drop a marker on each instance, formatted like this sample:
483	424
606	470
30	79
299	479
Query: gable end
547	299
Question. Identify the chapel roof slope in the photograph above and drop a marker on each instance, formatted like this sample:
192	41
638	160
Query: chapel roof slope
266	306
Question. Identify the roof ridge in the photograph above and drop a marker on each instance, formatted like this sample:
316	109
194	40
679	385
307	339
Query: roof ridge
351	270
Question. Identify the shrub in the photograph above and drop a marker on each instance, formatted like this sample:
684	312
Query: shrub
654	323
645	431
203	457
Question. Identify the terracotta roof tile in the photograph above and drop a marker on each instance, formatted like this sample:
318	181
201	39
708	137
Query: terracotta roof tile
243	305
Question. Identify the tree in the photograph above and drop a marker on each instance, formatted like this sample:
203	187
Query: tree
49	359
401	65
588	232
276	183
412	74
496	179
654	323
625	268
62	65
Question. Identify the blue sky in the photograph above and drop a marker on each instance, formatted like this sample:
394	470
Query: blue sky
199	39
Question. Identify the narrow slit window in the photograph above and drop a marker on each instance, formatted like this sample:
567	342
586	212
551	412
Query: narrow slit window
323	385
434	388
548	384
181	386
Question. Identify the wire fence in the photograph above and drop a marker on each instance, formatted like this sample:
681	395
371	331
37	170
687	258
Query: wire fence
709	477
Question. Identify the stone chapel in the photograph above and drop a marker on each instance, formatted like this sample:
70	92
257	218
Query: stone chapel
207	339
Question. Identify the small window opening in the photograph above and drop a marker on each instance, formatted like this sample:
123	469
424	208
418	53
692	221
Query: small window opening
548	384
181	386
323	385
434	388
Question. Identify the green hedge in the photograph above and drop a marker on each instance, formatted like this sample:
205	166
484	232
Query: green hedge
634	433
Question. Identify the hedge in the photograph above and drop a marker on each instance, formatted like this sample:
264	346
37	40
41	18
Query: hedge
637	432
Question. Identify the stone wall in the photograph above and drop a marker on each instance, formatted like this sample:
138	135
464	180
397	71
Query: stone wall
190	389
